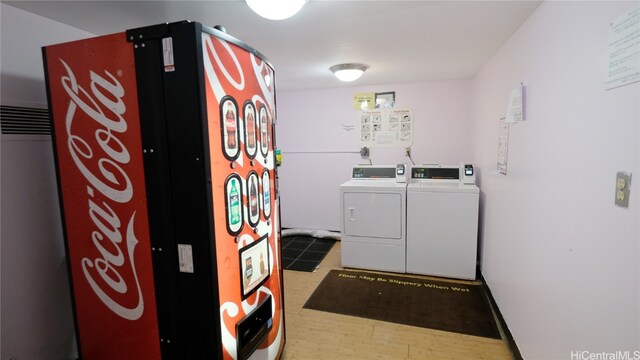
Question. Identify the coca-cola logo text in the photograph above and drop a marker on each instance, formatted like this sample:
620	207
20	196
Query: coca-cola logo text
100	160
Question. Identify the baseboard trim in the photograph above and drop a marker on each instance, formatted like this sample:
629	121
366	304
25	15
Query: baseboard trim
515	352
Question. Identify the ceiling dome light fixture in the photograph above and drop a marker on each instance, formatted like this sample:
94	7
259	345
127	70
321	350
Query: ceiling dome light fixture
276	9
348	72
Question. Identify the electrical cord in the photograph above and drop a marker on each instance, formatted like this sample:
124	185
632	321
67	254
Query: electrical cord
408	153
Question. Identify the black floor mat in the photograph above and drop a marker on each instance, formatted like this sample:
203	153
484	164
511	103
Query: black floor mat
441	305
304	253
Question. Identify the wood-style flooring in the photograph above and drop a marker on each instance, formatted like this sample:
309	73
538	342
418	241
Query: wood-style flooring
317	335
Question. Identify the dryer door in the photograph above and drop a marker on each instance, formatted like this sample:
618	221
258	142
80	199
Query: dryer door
373	215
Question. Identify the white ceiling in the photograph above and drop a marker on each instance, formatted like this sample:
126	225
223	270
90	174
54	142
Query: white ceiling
401	41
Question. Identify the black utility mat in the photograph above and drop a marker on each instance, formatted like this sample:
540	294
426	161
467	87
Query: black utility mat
439	305
304	253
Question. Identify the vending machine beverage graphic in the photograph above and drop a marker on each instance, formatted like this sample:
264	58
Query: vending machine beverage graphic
266	194
173	247
251	129
234	204
254	211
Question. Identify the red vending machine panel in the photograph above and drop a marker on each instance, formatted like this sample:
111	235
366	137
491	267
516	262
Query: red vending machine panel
94	105
240	100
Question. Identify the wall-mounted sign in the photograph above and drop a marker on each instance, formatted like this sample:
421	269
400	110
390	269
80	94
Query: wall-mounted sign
515	111
364	101
503	145
624	50
386	128
385	100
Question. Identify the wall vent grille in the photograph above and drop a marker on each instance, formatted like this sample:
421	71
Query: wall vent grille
24	120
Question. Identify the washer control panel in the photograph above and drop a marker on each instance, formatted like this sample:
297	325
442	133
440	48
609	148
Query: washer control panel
463	173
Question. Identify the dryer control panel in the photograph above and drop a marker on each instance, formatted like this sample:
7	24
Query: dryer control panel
373	172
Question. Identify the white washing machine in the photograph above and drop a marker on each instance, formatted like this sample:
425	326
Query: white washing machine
442	222
373	217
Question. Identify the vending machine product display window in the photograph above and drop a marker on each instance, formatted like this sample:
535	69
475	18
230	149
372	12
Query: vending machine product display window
266	194
229	125
252	199
250	129
264	131
235	215
254	266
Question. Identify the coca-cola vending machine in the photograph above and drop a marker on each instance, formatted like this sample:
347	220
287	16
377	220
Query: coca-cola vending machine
164	147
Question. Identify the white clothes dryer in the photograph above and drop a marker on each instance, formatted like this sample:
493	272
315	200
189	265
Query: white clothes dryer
373	213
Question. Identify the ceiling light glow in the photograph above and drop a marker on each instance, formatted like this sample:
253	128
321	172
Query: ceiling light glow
348	72
276	9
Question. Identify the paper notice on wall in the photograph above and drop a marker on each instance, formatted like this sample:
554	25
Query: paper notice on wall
624	50
364	101
345	127
503	145
515	111
386	128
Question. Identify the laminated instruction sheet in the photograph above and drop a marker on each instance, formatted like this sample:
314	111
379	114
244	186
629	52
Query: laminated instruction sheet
391	127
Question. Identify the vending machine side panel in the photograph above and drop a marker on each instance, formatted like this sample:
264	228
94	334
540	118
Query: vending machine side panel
240	109
91	87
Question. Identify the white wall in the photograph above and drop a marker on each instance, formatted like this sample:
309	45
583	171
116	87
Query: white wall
23	35
318	155
36	311
560	258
